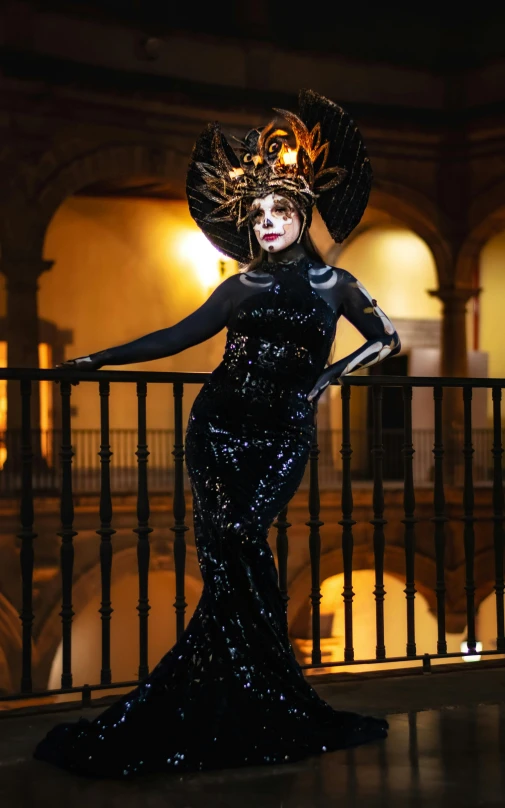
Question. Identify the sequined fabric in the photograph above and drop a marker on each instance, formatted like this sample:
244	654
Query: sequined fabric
230	692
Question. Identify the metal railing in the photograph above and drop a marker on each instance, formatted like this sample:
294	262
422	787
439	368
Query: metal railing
86	461
345	543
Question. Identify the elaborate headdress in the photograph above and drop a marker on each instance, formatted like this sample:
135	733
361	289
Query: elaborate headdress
318	158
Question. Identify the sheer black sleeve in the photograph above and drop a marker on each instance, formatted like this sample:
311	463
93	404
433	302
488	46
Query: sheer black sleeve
199	326
382	339
362	311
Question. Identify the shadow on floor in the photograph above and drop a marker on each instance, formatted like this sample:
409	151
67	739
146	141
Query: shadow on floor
448	757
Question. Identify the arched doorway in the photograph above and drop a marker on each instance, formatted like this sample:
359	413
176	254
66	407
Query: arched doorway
86	628
125	266
491	282
364	623
10	647
398	269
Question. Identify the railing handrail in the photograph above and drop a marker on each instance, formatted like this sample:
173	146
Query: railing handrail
420	381
57	375
196	377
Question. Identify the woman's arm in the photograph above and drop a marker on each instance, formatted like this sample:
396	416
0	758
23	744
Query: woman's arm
202	324
382	340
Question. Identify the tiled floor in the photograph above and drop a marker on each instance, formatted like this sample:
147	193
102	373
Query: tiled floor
448	757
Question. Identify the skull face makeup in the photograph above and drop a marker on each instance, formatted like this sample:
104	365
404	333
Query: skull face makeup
275	221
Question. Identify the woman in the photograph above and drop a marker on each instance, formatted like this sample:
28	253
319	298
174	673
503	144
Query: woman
230	692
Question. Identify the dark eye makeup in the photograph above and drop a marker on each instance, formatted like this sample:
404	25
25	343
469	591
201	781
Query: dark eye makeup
280	209
255	214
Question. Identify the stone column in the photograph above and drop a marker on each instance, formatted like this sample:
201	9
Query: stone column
22	275
454	360
453	363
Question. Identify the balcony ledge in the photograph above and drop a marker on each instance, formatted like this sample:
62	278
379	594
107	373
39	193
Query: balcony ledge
421	725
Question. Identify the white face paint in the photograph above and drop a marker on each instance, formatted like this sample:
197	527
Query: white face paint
275	221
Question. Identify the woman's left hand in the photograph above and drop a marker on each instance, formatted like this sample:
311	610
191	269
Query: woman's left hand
320	386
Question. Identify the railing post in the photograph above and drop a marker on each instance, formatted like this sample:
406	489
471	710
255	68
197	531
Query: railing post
439	519
314	524
179	509
378	521
282	525
409	504
66	534
468	517
105	531
347	522
26	535
498	518
143	530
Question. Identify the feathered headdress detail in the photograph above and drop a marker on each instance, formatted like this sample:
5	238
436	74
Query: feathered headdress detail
317	158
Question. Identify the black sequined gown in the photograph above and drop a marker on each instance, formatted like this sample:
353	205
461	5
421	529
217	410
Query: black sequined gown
230	692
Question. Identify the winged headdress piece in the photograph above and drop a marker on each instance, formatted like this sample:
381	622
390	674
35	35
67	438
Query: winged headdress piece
315	158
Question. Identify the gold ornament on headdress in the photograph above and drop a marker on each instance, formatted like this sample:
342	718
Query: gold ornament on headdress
315	157
299	173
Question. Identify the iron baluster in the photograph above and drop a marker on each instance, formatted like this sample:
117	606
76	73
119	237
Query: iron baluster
409	521
105	531
439	519
282	525
26	535
378	520
143	530
347	522
179	509
468	517
498	518
66	534
314	524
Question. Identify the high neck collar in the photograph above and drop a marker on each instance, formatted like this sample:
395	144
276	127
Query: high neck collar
298	264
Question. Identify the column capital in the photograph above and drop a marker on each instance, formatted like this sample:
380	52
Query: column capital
455	297
23	271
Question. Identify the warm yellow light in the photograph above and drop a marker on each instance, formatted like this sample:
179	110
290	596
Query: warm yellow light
472	657
236	172
46	402
203	258
289	157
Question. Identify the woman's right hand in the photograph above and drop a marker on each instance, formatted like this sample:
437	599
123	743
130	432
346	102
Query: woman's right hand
82	363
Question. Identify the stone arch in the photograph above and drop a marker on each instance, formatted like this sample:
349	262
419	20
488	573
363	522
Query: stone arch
331	564
392	203
394	564
85	587
64	175
487	219
10	646
420	215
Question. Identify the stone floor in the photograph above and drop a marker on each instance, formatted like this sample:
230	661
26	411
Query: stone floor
449	756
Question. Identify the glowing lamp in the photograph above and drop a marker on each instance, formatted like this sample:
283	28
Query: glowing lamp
205	260
472	657
289	157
